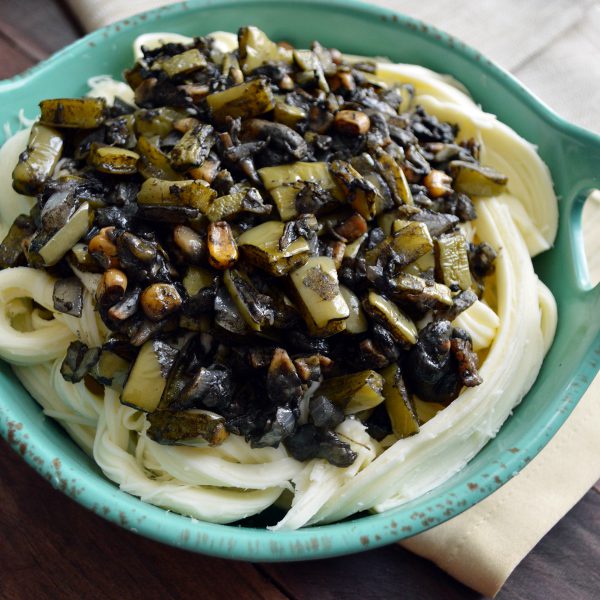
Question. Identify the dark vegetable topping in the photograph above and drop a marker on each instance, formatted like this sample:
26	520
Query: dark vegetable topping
322	176
68	296
78	361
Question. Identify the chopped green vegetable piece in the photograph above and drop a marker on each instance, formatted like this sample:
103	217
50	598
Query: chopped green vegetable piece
47	248
246	100
394	176
356	321
181	64
410	287
398	403
309	62
81	113
148	376
452	261
288	114
252	305
260	246
426	410
227	207
194	193
360	192
193	148
285	181
197	279
476	180
409	244
184	427
113	160
387	313
316	291
151	122
12	249
37	162
111	369
256	50
354	392
353	249
154	162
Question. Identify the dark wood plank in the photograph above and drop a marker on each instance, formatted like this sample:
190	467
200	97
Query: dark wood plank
36	29
563	565
389	572
13	60
51	547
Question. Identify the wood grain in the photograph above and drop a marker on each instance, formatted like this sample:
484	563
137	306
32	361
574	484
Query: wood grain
13	60
51	547
566	73
36	28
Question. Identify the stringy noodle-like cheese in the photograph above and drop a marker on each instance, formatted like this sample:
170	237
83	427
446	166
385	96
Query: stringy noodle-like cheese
231	481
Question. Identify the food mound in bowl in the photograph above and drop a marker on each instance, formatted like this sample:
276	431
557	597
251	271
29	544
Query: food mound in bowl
263	274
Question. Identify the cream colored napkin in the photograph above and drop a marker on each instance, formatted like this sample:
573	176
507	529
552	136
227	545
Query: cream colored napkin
483	545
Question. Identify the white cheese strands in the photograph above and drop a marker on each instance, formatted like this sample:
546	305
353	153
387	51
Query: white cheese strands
215	504
415	465
41	344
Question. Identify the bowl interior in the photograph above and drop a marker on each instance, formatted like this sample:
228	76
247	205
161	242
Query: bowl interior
357	29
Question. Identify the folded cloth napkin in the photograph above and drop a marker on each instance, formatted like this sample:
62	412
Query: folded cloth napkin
483	545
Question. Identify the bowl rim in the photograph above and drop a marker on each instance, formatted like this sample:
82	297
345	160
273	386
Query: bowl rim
245	543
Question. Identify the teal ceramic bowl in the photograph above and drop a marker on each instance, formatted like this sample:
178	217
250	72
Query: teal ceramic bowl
573	156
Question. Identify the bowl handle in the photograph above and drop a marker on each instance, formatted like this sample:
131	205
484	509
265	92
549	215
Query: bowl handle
584	156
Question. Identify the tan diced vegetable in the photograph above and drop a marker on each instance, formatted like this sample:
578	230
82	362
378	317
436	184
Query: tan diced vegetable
113	160
452	261
222	248
246	100
193	193
260	246
385	311
352	122
317	294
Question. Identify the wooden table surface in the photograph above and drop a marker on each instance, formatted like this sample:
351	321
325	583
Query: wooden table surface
51	548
